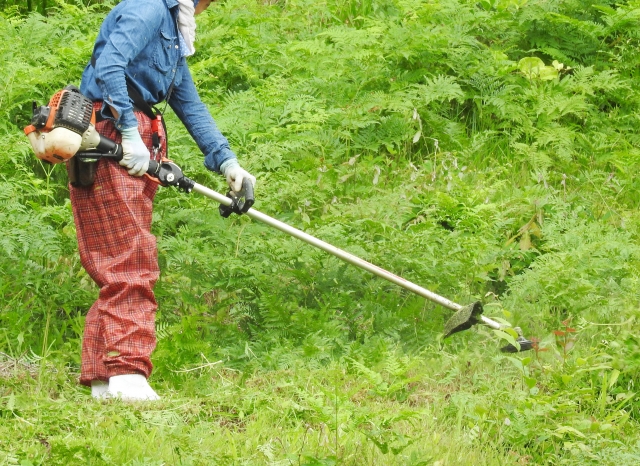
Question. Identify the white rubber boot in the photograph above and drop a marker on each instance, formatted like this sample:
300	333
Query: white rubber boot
131	387
99	389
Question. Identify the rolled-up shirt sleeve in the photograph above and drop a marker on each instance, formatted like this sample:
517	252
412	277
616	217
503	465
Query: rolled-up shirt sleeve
134	29
195	116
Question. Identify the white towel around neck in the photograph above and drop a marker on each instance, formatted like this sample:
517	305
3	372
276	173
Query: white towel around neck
187	25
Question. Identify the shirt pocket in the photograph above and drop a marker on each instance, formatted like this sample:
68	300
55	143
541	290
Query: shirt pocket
166	52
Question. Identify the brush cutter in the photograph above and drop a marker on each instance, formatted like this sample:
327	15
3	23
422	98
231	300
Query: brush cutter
65	129
169	174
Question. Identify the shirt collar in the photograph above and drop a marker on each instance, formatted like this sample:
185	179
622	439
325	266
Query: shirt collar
171	3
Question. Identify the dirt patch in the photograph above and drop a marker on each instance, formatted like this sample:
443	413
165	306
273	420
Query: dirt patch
10	366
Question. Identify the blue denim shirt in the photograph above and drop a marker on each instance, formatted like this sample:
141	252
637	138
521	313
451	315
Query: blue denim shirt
141	40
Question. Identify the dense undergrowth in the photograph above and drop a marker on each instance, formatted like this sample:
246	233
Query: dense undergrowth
480	149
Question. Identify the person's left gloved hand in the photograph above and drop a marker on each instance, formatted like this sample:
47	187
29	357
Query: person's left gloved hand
235	174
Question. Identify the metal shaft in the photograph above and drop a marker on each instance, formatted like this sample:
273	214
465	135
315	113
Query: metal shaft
341	254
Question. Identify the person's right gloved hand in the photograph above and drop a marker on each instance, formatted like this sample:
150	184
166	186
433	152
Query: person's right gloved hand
135	155
235	174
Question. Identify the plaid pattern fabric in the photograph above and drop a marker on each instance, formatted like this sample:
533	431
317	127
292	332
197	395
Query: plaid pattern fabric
117	249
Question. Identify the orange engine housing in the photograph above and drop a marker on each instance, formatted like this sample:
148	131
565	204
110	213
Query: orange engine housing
56	131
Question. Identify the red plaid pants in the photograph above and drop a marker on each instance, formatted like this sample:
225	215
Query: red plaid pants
118	251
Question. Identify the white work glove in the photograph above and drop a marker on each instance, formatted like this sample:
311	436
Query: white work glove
234	174
135	155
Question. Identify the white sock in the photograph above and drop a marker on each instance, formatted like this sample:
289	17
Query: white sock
131	387
99	389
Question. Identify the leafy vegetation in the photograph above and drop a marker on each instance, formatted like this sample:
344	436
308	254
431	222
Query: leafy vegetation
481	149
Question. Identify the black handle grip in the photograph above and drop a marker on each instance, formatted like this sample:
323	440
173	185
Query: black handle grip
94	155
105	150
110	148
249	198
241	201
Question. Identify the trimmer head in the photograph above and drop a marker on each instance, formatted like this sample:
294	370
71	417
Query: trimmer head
525	345
463	319
471	315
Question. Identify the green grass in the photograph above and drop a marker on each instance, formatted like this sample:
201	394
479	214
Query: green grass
219	417
436	139
457	404
297	416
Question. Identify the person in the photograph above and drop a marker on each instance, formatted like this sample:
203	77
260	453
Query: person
143	45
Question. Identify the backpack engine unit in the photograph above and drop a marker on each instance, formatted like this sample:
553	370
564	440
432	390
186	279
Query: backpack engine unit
66	127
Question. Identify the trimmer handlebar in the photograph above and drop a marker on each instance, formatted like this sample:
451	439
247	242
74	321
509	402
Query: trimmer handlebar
169	174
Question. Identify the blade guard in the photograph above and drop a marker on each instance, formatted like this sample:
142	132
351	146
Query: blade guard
463	319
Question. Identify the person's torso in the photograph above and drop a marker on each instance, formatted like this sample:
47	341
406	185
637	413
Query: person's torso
157	65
